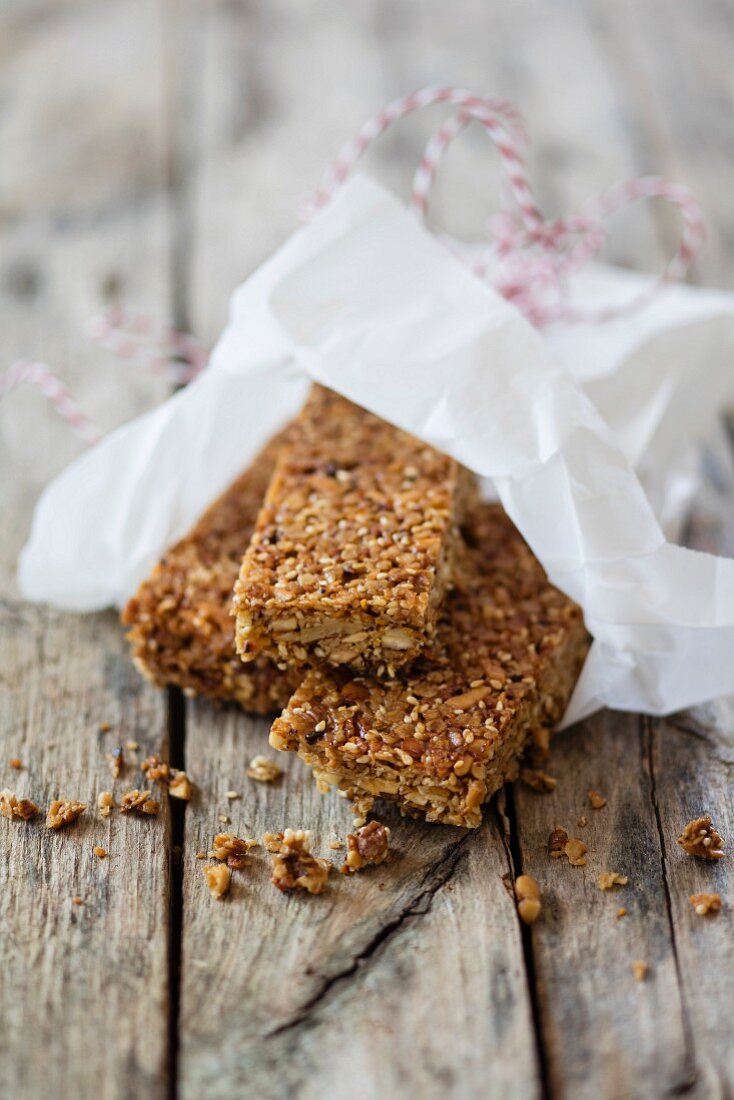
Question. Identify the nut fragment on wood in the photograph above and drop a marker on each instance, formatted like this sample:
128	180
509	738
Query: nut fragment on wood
63	811
231	848
294	868
609	879
139	802
538	780
180	786
700	838
575	850
557	841
263	770
527	893
105	803
21	808
640	970
155	770
368	846
706	903
218	879
597	800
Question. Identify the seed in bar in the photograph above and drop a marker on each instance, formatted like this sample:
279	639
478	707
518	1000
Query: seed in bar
352	553
441	738
181	627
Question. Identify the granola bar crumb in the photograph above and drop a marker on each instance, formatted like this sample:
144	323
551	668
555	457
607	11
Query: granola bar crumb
140	802
598	801
105	803
104	727
180	786
133	746
706	903
76	900
20	808
16	763
116	761
231	848
640	970
231	795
527	893
100	853
63	811
610	879
700	838
557	842
155	770
576	851
538	780
583	821
336	844
201	855
622	912
224	820
264	770
218	879
294	868
369	845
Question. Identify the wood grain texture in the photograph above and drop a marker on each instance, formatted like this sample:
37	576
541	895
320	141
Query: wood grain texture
316	990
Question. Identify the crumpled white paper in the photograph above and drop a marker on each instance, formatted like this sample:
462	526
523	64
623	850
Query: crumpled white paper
367	302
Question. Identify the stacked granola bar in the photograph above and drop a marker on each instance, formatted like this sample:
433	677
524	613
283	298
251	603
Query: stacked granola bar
406	631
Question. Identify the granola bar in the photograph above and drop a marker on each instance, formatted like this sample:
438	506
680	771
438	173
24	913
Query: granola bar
351	556
182	631
440	738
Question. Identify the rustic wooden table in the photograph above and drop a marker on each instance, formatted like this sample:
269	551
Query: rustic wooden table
154	154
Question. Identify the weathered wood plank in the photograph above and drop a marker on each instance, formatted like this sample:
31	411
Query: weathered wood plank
82	220
347	990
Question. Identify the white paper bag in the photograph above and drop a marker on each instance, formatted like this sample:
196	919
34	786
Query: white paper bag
367	302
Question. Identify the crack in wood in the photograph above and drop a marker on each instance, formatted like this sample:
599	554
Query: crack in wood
691	1073
438	876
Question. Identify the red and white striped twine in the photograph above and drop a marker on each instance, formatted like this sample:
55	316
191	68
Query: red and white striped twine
528	259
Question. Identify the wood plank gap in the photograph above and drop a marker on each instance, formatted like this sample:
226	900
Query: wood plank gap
176	715
508	829
647	734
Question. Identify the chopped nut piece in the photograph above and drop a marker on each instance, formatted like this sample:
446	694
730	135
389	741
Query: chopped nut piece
609	879
105	803
116	761
100	852
21	808
700	838
557	842
180	786
294	868
538	780
527	893
575	850
597	800
16	763
622	912
369	845
272	841
264	770
155	770
218	879
63	811
140	802
640	970
232	848
706	903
